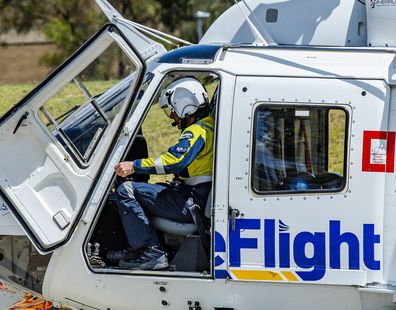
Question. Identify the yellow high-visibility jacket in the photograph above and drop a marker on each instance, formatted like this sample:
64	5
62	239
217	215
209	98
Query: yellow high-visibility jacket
191	158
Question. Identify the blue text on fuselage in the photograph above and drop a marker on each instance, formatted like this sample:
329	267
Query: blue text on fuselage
316	262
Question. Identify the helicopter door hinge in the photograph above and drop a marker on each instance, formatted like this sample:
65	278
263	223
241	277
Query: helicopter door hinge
126	131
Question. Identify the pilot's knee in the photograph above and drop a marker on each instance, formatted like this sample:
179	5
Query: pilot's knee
125	190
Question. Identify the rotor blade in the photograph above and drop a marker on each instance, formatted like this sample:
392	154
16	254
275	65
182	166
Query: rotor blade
160	33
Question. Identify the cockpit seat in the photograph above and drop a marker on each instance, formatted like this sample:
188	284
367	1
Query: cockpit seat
178	228
193	250
173	227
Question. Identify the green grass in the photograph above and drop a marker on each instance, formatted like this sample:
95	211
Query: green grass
160	135
11	94
68	97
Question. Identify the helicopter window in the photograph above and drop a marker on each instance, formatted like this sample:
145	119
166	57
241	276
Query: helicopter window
271	16
299	149
80	113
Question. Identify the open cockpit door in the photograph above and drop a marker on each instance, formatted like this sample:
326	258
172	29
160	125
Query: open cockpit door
55	142
146	47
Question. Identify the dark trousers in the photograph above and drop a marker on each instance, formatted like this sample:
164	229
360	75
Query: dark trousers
139	201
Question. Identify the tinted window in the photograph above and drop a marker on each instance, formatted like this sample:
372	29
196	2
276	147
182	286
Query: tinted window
299	149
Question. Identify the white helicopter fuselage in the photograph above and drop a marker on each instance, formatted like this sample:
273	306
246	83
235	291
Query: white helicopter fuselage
319	238
251	284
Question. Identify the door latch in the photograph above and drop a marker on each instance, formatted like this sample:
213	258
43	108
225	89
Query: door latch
23	117
234	213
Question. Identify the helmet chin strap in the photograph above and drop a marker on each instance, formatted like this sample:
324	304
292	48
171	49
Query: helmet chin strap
182	121
174	124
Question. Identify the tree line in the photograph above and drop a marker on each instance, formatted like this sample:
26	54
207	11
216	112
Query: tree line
69	23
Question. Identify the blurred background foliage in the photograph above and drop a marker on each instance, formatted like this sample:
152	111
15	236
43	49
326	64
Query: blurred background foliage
69	23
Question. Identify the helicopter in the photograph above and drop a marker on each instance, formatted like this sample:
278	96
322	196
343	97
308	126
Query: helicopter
302	208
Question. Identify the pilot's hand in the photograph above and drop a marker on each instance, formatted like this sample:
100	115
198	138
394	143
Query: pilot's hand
124	168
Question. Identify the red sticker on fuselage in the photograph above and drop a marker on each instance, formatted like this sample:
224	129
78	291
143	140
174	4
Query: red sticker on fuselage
378	151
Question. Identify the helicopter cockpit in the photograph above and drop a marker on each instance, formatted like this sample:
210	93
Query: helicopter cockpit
188	249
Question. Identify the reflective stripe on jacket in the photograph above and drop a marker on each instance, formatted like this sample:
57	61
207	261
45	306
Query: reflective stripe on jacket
190	158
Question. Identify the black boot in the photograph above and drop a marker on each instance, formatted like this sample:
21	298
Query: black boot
153	258
114	257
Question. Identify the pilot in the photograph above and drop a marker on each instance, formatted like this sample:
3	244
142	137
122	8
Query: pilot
185	101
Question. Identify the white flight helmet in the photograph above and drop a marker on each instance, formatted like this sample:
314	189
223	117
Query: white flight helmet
183	96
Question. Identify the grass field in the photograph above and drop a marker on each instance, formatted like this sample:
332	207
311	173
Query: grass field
10	94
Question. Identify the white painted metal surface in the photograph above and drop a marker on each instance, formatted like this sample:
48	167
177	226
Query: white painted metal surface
292	209
381	22
303	22
8	224
9	297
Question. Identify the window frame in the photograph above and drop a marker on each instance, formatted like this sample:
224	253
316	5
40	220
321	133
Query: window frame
83	160
256	107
